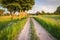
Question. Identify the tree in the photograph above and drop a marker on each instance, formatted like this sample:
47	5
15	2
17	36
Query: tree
12	8
57	10
11	5
23	4
1	12
38	13
17	5
42	12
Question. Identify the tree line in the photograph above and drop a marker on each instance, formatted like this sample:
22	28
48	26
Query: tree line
57	12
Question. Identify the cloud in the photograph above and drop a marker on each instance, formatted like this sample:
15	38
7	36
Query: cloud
52	0
45	5
48	8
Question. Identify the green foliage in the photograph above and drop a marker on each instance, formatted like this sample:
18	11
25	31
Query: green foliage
18	4
4	22
38	13
26	4
13	7
56	17
57	10
43	12
52	26
11	32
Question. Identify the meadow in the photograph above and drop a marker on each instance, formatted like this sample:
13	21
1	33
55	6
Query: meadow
10	32
52	16
51	23
4	20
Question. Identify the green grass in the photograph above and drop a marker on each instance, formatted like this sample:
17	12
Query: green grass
4	21
33	32
52	16
52	26
4	24
11	32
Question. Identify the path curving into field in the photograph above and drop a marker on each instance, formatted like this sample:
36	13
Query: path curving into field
24	34
41	32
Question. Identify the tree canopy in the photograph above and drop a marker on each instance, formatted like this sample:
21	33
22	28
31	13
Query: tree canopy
16	5
57	10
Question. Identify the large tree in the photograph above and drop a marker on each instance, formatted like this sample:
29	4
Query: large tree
17	5
38	13
13	8
23	4
57	10
11	5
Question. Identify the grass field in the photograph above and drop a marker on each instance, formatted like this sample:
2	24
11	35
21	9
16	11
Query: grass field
10	32
52	16
50	23
4	20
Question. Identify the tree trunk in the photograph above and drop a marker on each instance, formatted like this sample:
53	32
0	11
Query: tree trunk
11	15
14	16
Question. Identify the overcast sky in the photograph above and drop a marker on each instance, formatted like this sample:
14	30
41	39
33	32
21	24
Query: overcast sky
45	5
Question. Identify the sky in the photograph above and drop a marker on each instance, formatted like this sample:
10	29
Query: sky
4	9
45	5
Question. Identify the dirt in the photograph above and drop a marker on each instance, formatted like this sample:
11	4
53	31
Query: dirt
24	34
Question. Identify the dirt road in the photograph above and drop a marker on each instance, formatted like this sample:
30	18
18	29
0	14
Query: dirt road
41	32
24	34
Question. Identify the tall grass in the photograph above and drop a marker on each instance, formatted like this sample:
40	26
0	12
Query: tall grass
52	16
4	21
11	32
50	25
33	32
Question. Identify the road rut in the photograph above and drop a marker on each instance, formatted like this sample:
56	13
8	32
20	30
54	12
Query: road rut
24	34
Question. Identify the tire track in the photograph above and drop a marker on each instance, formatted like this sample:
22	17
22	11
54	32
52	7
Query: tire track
24	34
